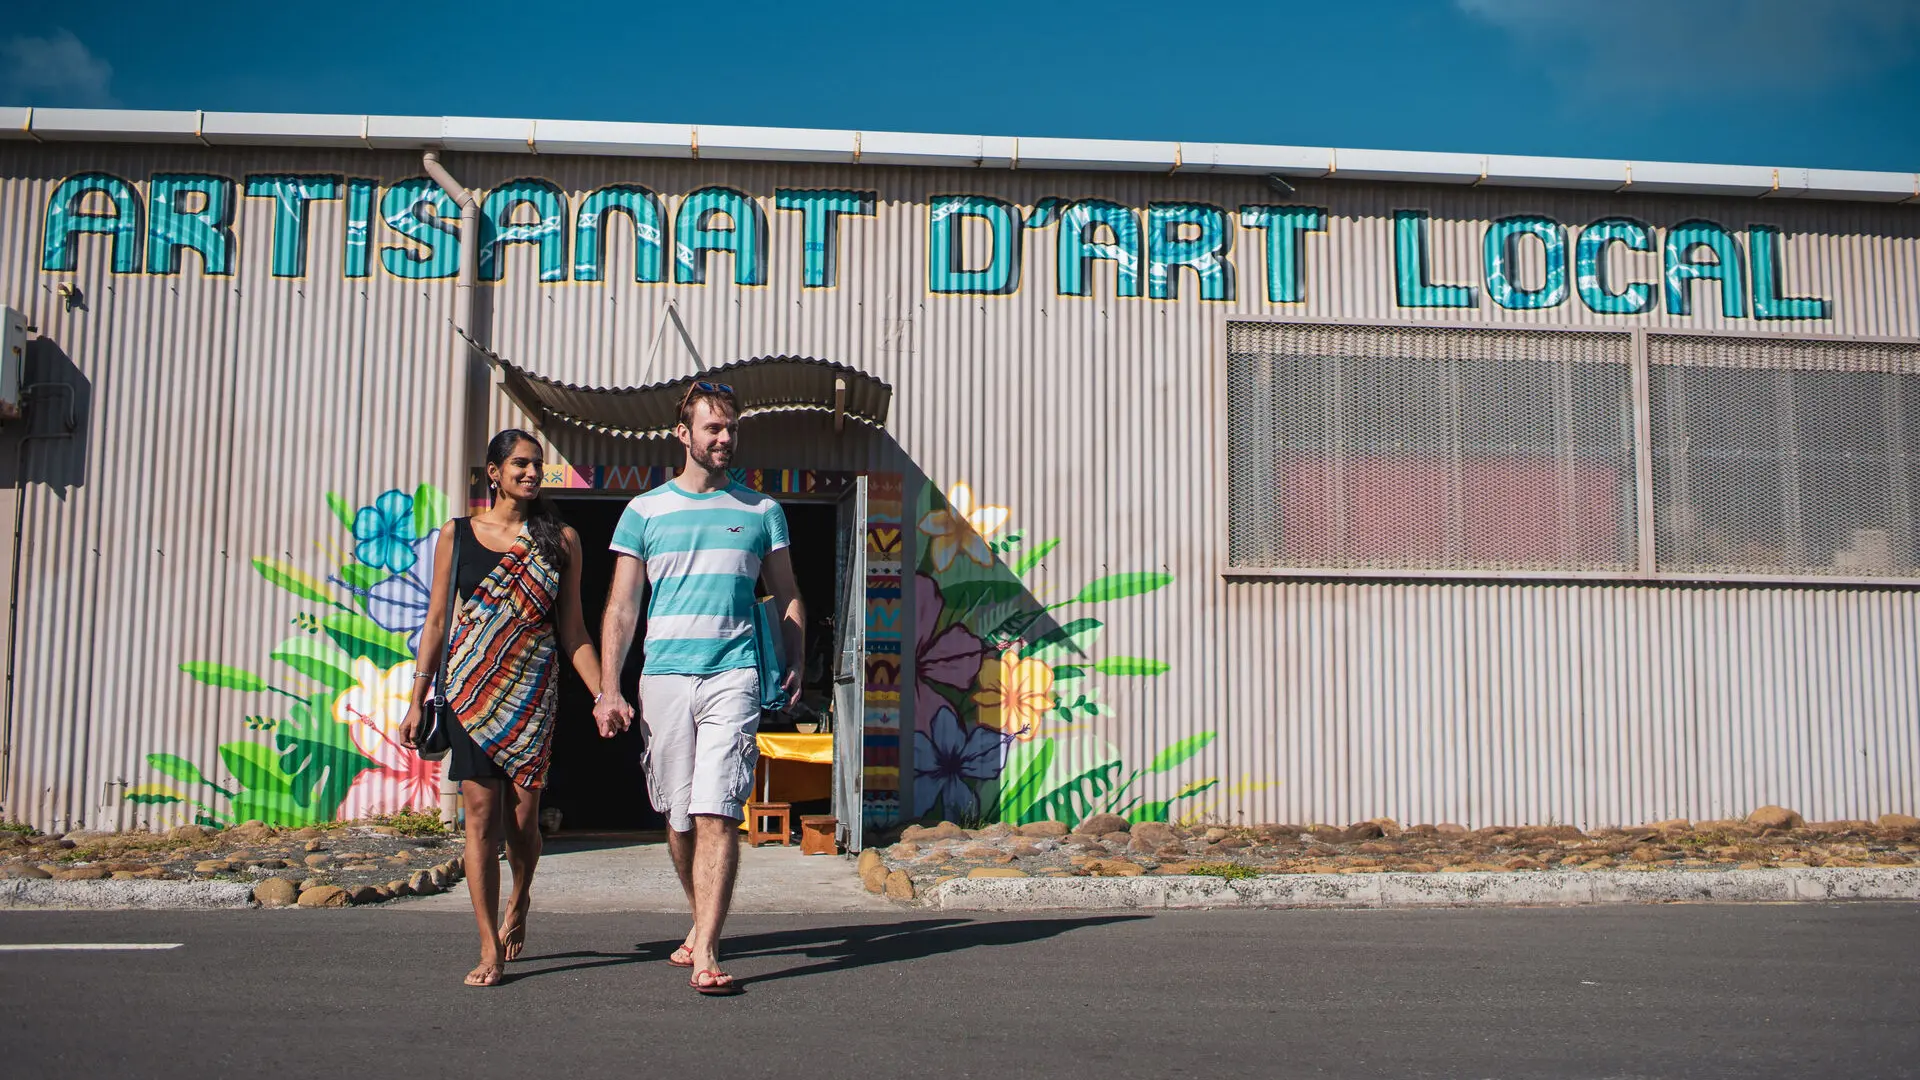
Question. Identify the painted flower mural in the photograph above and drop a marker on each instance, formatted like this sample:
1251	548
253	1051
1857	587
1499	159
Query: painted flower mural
333	749
1007	710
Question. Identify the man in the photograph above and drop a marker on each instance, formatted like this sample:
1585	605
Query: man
699	543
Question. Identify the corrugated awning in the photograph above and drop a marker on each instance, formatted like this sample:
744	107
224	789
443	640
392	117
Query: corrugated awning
764	384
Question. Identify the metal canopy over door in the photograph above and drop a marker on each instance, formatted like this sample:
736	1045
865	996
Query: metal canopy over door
849	674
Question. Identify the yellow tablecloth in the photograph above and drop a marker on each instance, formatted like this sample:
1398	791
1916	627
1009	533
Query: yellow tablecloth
804	769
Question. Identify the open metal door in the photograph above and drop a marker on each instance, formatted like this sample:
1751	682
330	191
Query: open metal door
850	670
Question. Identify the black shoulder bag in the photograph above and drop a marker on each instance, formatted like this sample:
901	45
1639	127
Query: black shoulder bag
437	719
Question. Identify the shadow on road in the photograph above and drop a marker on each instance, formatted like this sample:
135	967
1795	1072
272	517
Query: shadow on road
840	948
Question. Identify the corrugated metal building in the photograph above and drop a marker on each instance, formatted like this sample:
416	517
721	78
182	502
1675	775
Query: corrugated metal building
1197	481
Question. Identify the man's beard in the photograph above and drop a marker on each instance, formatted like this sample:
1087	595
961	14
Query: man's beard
706	459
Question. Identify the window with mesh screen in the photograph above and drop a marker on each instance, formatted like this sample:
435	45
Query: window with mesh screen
1784	456
1429	449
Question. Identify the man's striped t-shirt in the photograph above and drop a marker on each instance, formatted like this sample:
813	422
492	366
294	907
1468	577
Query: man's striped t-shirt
703	555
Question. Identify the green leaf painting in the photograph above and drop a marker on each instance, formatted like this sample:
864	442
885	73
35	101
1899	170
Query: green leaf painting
429	509
1177	755
1130	665
317	659
1075	800
1070	639
294	580
1021	781
361	576
1121	586
227	678
1032	558
967	595
178	768
256	766
359	636
341	510
155	794
319	759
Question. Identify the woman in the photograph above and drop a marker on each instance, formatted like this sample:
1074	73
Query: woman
518	578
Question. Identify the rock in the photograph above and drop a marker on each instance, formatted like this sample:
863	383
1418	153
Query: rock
1678	824
980	851
1025	851
1892	858
873	870
1152	836
81	873
1379	847
398	887
1116	840
308	883
994	831
1216	834
1171	851
191	834
309	833
317	861
271	864
421	883
1274	832
903	851
944	830
1054	829
212	866
438	876
324	896
315	845
1234	843
359	868
1102	824
1775	817
248	832
1521	862
1388	826
1899	821
1647	854
20	870
995	871
366	894
1448	828
276	892
899	886
1081	838
1113	868
383	830
1327	834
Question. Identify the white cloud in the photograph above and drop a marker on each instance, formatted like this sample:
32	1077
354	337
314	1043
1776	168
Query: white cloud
1721	48
57	70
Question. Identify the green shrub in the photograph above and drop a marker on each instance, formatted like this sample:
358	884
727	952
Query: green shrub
1224	871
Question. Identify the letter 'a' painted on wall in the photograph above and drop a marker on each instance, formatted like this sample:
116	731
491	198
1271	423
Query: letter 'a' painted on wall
1763	250
435	252
291	196
119	219
1590	267
1286	228
950	266
1190	235
820	214
1076	249
192	212
547	231
1498	253
1728	268
642	210
695	235
1413	267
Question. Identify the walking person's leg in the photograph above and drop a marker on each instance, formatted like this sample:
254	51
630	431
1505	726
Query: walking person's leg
486	818
666	719
727	716
680	845
522	822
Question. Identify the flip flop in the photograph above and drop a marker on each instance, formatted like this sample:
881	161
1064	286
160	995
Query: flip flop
673	958
485	975
716	988
513	941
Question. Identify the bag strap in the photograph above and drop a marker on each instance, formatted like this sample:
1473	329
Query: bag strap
453	592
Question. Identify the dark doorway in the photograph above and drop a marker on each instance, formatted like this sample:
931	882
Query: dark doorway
596	783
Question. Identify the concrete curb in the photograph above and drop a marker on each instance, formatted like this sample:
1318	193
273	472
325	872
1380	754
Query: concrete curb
1566	887
125	895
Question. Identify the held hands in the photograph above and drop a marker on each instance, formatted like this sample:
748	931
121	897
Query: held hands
410	727
612	714
790	686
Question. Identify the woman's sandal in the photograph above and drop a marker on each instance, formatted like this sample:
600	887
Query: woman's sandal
485	975
680	957
716	988
512	941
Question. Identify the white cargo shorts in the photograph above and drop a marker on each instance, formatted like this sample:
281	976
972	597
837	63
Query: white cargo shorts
700	751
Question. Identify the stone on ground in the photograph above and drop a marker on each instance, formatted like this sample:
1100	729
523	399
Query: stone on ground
324	896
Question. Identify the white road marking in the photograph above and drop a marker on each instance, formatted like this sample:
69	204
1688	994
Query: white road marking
95	946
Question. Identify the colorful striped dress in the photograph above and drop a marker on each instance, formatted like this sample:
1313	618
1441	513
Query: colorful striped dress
501	677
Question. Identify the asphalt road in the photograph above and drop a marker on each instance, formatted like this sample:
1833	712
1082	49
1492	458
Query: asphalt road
1680	991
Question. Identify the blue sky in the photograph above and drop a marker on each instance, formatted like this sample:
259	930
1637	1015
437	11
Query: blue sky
1825	83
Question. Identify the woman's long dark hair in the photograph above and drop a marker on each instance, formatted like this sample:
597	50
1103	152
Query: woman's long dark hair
543	521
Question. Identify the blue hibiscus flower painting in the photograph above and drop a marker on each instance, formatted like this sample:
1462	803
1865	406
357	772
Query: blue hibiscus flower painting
383	533
945	757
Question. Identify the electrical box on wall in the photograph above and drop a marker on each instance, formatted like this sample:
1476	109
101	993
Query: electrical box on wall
13	358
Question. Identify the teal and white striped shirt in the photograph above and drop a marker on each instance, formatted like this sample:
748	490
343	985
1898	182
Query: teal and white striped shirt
703	555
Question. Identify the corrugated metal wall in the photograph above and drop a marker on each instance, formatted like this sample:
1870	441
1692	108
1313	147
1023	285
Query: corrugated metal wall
223	409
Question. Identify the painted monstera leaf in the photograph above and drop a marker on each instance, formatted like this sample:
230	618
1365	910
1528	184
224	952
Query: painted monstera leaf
318	758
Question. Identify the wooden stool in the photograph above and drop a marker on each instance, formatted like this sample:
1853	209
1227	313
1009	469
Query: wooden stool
758	811
816	834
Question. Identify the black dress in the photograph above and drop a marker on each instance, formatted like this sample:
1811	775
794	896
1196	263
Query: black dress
465	759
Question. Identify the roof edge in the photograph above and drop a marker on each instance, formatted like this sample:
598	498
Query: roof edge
827	146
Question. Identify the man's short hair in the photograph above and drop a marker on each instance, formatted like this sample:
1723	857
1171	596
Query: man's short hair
717	398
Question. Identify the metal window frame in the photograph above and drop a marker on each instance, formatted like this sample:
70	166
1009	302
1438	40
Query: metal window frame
1640	377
